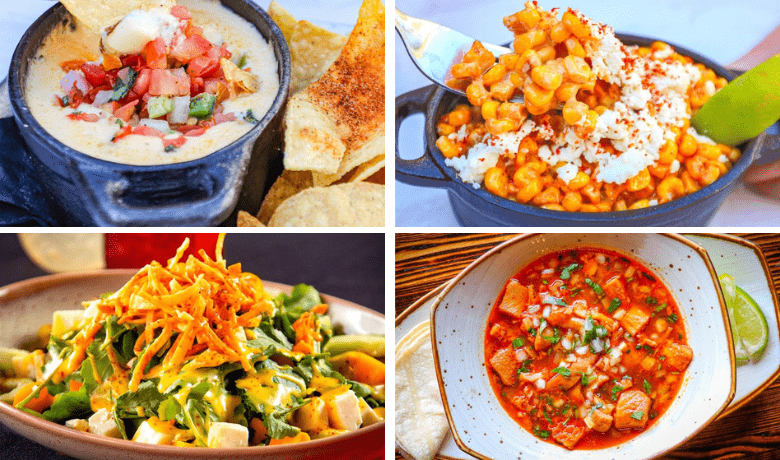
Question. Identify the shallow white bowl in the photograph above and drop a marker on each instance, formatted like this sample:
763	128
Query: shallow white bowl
482	428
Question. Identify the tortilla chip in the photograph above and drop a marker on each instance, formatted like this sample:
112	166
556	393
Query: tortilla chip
283	19
365	170
377	178
287	185
348	100
239	80
247	220
313	50
97	15
356	204
421	424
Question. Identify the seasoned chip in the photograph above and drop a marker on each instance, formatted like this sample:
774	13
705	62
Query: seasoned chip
239	80
99	15
248	220
337	123
283	19
287	185
313	50
356	204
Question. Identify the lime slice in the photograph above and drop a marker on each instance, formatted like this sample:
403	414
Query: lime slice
744	108
749	328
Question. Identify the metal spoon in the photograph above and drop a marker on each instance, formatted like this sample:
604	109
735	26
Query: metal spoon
435	48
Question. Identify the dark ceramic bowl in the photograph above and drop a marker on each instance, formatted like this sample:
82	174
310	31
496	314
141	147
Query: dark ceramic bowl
478	207
203	192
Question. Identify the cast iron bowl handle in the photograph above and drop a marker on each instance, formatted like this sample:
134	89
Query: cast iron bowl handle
421	169
209	190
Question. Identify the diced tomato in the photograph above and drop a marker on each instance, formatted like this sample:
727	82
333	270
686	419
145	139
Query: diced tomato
196	86
190	48
181	12
224	118
155	54
203	66
225	53
132	60
141	85
176	141
169	83
111	62
94	74
76	97
91	117
192	131
147	131
126	111
124	132
191	30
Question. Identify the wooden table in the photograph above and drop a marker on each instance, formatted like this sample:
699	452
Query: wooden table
425	261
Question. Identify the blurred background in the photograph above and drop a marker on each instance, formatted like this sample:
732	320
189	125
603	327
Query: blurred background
349	266
722	30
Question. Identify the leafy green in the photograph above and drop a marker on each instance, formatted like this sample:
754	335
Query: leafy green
637	415
276	421
672	318
302	298
596	288
566	272
614	305
647	386
73	404
148	398
563	371
518	342
542	434
615	390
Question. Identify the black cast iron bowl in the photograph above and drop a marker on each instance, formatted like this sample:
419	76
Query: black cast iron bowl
478	207
203	192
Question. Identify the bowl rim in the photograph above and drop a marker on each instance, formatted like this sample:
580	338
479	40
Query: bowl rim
29	286
677	205
26	120
498	249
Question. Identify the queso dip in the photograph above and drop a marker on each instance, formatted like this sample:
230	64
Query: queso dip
116	121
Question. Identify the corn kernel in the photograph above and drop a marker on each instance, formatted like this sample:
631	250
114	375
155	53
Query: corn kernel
500	126
688	145
580	180
559	33
546	53
477	93
496	181
459	117
574	111
546	77
667	153
577	69
509	60
444	129
574	47
572	201
447	147
490	110
639	181
639	204
494	74
708	151
538	96
528	40
567	91
513	111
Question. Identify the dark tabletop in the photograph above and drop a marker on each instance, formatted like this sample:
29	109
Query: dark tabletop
349	266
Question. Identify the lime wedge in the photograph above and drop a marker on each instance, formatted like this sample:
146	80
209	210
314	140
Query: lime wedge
744	108
749	328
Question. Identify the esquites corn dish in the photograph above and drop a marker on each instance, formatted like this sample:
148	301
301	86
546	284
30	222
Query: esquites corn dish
604	126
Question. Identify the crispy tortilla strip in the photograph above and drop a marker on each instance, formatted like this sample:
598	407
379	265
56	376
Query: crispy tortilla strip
239	80
247	220
313	51
97	15
348	100
356	204
283	19
286	185
421	424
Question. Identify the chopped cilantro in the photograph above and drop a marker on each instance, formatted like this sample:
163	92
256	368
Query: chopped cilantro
615	390
637	415
614	305
672	318
596	288
566	272
547	416
574	292
650	300
545	282
601	331
170	148
628	280
586	379
648	276
565	372
556	337
644	347
242	62
524	366
542	434
660	308
647	386
532	332
518	342
250	117
550	300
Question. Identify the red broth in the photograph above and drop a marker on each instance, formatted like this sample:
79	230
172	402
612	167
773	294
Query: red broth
586	348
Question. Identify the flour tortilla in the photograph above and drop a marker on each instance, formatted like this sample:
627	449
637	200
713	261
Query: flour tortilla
97	15
420	422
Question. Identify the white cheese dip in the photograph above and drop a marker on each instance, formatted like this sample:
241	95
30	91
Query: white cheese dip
95	138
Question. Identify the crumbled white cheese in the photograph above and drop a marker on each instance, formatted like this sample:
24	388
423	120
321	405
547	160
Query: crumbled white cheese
567	172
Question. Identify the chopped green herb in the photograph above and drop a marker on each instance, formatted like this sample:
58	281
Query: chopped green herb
524	366
628	280
586	379
614	305
118	121
647	386
648	276
170	148
159	106
615	390
550	300
660	308
637	415
125	80
672	318
556	337
566	272
565	372
532	332
596	288
601	331
542	434
250	117
644	347
650	300
518	342
547	416
242	62
575	292
545	282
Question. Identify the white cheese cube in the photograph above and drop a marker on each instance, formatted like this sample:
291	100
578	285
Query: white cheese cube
313	416
78	424
102	423
65	320
138	28
147	434
223	434
367	413
344	411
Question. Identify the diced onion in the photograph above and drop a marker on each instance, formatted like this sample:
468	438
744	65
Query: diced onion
571	359
181	110
598	345
619	314
102	97
546	311
548	271
159	125
521	355
536	322
533	308
566	343
581	350
540	384
601	259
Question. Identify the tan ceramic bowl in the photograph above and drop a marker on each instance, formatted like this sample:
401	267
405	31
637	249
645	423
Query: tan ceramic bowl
480	425
27	305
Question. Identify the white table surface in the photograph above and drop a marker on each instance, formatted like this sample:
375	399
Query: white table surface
723	30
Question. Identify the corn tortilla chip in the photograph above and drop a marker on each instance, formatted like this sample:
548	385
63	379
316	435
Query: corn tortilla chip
377	178
98	15
286	185
239	80
247	220
283	19
365	170
356	204
348	101
313	50
421	424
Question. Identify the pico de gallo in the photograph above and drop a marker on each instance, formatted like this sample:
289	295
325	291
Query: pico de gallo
172	87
